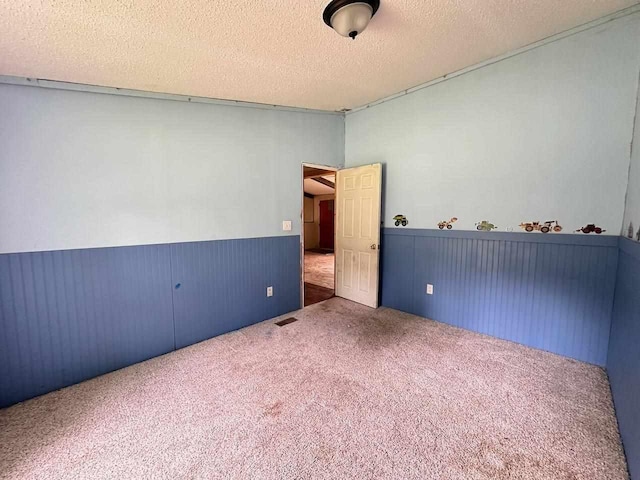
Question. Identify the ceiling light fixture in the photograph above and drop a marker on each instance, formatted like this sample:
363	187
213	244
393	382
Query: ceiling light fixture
350	17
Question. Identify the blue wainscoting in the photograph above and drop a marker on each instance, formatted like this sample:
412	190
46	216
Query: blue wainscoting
623	363
66	316
552	292
223	284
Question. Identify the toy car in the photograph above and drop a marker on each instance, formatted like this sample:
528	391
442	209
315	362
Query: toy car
485	226
447	224
591	228
545	227
401	219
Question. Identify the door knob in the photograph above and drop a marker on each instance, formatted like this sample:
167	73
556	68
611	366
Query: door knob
373	246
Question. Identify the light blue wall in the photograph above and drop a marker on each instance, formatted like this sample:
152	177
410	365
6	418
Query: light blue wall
543	135
89	181
82	170
632	206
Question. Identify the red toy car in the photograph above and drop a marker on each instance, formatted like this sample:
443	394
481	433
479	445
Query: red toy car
591	228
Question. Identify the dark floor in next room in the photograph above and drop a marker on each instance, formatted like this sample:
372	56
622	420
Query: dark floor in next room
318	275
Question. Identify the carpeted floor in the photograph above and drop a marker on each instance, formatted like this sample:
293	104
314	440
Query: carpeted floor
318	269
344	392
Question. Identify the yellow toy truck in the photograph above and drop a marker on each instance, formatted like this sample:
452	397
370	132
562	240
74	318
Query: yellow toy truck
447	224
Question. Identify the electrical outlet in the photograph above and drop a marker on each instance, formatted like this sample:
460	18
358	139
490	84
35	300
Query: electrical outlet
429	289
286	225
269	291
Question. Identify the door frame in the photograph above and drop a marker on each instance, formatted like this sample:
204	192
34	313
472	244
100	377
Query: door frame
330	169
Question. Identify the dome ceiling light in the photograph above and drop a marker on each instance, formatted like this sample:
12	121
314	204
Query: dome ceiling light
350	17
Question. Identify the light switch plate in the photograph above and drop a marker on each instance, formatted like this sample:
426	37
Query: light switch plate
286	225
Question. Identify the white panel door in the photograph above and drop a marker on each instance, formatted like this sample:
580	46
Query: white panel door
358	233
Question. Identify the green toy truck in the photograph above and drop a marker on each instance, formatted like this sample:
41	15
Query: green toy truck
401	219
485	226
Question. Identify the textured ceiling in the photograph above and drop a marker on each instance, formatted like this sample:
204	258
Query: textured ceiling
271	51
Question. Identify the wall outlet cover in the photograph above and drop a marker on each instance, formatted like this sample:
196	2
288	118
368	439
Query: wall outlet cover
429	289
269	291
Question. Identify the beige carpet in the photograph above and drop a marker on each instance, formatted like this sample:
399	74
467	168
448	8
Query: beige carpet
318	268
345	392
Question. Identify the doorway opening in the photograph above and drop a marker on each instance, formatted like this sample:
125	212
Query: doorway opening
318	215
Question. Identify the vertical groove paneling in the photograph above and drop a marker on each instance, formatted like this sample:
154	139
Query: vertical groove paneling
623	363
552	296
223	284
66	316
397	263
